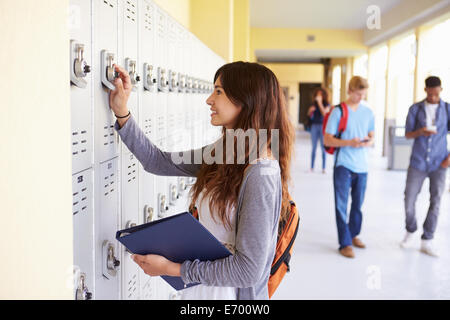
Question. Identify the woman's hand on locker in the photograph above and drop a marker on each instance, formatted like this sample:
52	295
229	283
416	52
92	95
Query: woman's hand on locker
118	98
156	265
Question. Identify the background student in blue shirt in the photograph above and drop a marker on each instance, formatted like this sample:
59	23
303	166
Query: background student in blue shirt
351	167
428	124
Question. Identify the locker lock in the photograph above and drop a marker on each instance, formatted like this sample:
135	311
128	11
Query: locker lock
110	262
129	224
108	72
174	196
131	68
148	214
149	80
163	80
163	208
175	295
195	85
181	82
191	181
182	186
79	67
173	81
189	83
82	290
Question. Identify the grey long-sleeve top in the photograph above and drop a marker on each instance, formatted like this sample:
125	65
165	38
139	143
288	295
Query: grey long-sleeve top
258	210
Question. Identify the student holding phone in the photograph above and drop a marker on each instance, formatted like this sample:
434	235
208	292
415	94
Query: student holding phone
428	124
350	172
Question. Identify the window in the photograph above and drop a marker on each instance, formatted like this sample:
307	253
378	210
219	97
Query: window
377	70
360	66
402	64
336	83
433	58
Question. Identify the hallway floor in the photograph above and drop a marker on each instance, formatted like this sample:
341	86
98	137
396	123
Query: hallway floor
381	271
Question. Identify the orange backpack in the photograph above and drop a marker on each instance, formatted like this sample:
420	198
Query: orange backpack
287	232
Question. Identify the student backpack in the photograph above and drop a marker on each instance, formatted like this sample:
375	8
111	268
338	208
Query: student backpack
287	232
342	124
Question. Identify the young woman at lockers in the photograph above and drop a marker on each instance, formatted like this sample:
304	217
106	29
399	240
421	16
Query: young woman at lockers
240	204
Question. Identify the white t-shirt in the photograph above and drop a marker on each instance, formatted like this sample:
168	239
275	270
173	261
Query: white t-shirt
228	239
430	110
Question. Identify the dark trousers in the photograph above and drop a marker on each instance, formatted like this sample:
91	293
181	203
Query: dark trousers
347	182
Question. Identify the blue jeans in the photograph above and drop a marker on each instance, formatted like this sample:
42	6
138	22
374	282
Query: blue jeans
317	135
414	182
345	181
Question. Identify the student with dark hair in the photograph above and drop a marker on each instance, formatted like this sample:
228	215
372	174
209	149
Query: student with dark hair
240	202
316	113
428	124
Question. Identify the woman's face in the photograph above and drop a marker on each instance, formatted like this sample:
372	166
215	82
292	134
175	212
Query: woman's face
224	112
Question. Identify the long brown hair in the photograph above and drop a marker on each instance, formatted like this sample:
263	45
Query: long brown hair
256	89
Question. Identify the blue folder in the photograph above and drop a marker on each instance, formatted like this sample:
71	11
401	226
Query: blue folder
178	238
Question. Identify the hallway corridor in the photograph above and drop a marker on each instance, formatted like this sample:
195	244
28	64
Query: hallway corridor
381	271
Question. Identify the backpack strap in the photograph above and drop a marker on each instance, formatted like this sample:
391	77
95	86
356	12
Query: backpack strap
342	126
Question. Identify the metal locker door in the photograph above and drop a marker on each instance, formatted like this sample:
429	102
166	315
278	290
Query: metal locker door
129	218
173	130
105	50
160	51
179	112
147	197
183	141
81	84
128	53
107	250
83	234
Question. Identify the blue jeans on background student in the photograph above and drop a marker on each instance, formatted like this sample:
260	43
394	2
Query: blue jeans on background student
346	182
317	135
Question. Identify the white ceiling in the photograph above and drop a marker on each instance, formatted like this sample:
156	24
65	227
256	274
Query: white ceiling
320	14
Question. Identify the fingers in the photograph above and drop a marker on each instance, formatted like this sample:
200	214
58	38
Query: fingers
119	85
124	76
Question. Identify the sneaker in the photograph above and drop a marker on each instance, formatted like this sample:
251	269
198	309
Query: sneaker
347	252
407	240
358	243
427	248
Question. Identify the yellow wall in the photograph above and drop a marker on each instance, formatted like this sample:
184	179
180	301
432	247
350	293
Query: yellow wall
35	156
289	75
212	23
178	9
241	30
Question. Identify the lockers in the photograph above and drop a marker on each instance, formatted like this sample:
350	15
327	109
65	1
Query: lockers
107	250
83	227
128	51
80	89
172	73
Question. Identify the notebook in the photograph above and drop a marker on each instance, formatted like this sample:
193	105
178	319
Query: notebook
179	238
